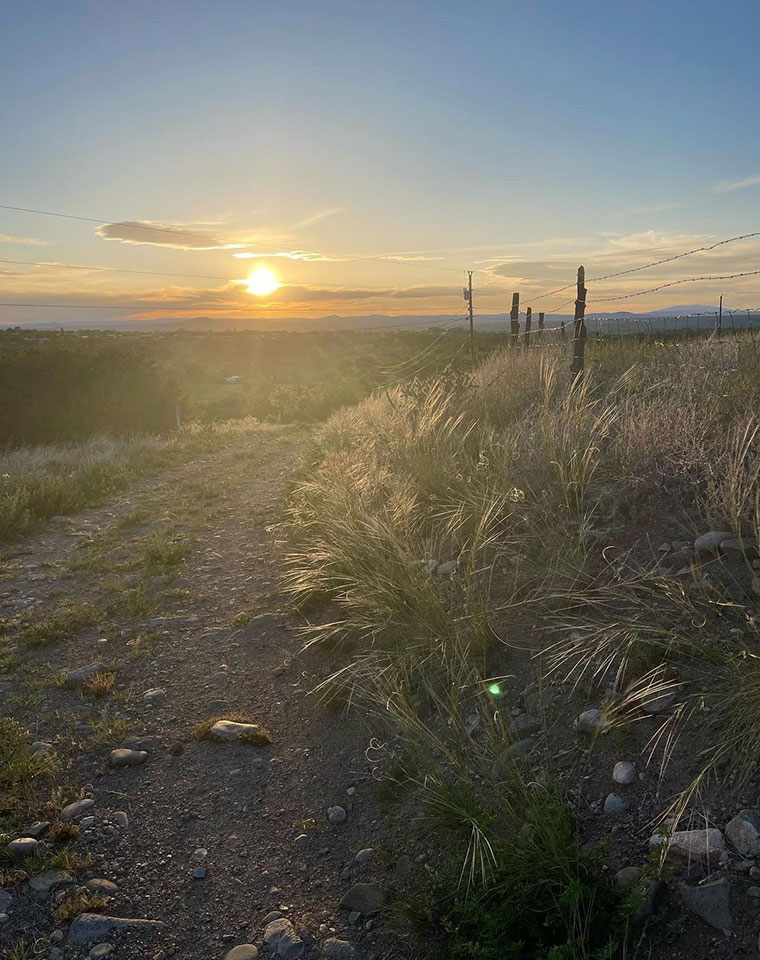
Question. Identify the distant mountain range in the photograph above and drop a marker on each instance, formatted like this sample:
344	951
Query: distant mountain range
335	322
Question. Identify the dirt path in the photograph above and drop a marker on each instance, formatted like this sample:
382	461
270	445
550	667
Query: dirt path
165	586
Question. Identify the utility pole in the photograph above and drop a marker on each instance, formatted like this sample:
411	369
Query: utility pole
468	298
579	333
514	317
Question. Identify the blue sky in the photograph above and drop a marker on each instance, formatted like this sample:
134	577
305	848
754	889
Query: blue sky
514	138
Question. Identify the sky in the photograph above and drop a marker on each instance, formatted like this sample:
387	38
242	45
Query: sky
367	154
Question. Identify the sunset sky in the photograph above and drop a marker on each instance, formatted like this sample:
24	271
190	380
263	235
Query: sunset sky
368	153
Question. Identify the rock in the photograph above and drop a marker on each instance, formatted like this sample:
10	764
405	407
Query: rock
364	855
624	773
335	949
710	542
199	873
700	846
38	828
336	815
741	547
244	951
710	901
56	936
176	749
154	697
99	885
744	832
628	875
4	918
79	677
22	847
614	805
100	950
77	809
120	818
280	936
86	822
41	748
252	733
365	898
127	758
402	867
754	892
521	748
271	917
6	899
658	703
524	725
447	568
44	882
93	926
592	722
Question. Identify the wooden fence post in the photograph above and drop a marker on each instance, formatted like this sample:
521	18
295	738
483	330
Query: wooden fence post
540	331
528	325
514	317
579	332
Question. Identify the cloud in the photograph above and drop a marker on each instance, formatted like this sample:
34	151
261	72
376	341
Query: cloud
316	217
293	255
726	186
162	235
27	241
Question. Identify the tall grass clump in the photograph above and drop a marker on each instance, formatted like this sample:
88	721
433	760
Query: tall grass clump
457	528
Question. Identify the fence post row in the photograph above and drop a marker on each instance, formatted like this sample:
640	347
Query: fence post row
579	331
540	331
514	317
528	325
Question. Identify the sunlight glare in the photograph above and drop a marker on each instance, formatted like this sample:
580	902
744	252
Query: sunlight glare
262	282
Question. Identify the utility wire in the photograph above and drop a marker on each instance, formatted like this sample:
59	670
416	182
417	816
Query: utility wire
230	243
675	283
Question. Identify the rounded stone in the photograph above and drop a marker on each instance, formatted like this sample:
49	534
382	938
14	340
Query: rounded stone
624	772
22	847
244	951
336	815
100	950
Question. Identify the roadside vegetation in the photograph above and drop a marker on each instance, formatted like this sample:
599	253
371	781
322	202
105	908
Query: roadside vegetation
479	534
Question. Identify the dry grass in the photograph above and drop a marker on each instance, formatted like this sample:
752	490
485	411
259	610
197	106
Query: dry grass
516	474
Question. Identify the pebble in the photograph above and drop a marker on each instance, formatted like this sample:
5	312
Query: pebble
100	950
155	697
74	810
591	721
86	822
743	832
100	885
80	676
271	917
624	772
38	828
364	898
335	949
93	926
199	873
252	733
336	814
124	757
244	951
614	805
364	855
280	935
22	847
120	818
44	882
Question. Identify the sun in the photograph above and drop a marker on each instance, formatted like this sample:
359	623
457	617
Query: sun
262	282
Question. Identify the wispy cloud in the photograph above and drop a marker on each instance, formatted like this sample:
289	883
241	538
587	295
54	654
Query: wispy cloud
292	255
26	241
316	217
725	186
158	234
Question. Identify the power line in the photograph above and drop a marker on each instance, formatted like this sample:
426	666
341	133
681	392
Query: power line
227	242
675	283
652	263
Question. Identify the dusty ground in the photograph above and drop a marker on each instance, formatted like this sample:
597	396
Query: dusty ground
260	813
